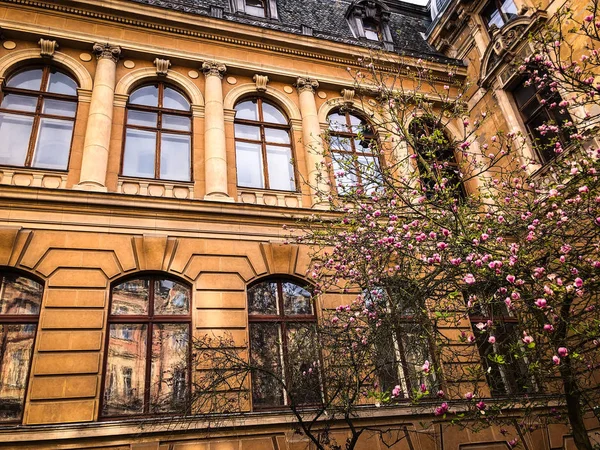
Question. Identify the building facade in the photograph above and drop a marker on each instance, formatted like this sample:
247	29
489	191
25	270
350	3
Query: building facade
150	154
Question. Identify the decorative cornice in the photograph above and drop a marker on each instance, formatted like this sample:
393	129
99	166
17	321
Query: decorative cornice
261	82
162	66
107	51
306	84
47	47
213	69
210	35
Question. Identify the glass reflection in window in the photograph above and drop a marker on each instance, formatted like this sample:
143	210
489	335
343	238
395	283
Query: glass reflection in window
20	301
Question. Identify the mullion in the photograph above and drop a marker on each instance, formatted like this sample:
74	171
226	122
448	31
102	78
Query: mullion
149	335
263	144
36	119
158	131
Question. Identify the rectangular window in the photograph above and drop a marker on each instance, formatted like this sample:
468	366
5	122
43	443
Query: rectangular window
499	12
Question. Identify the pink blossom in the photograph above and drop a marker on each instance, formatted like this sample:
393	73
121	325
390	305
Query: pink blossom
556	360
578	282
549	328
513	442
469	396
510	278
562	352
527	340
583	190
481	405
396	391
441	394
441	410
589	18
426	367
469	278
541	303
492	339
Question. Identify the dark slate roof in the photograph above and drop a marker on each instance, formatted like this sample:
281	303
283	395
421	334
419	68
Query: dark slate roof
327	19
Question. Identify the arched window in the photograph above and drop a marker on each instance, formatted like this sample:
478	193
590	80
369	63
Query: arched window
148	348
351	150
436	162
20	301
282	334
158	138
263	146
37	115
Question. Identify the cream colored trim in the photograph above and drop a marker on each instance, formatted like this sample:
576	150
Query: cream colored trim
358	105
72	65
125	84
282	99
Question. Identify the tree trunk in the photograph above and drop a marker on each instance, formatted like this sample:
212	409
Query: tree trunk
574	409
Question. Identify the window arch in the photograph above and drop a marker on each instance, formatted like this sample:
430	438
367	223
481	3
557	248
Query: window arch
282	324
158	134
263	146
148	347
20	302
437	161
37	117
351	141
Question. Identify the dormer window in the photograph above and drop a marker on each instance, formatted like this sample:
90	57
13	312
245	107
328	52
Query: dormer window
371	29
369	19
498	12
256	8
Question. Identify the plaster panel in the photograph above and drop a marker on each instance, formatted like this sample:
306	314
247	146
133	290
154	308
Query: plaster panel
103	260
69	340
60	412
76	297
78	278
225	300
67	363
8	237
216	318
202	263
220	281
63	387
72	318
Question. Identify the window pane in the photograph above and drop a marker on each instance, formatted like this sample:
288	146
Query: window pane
15	357
340	143
510	9
174	100
168	374
281	170
176	122
337	122
15	132
53	144
125	370
175	157
249	165
255	8
247	110
362	146
171	297
61	83
265	352
296	300
344	171
386	360
262	299
277	136
416	352
59	108
272	114
131	297
147	96
141	118
303	364
19	102
20	295
247	132
29	79
140	148
370	173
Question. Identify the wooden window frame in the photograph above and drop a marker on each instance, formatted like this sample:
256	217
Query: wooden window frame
38	115
22	319
159	111
282	320
498	5
150	320
351	136
263	142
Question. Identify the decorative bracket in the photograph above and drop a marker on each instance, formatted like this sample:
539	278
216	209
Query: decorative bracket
348	95
162	66
47	47
306	84
261	82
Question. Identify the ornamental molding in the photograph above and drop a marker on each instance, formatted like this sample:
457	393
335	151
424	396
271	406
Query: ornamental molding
261	82
348	95
162	66
306	84
214	69
107	51
47	47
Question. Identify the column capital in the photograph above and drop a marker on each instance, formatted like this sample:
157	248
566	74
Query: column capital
107	51
306	84
214	69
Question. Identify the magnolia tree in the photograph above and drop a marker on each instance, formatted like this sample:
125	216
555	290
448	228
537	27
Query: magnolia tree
474	279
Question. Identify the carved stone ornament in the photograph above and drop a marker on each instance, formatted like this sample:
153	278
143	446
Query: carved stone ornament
162	66
307	84
214	69
107	51
261	82
348	95
47	47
